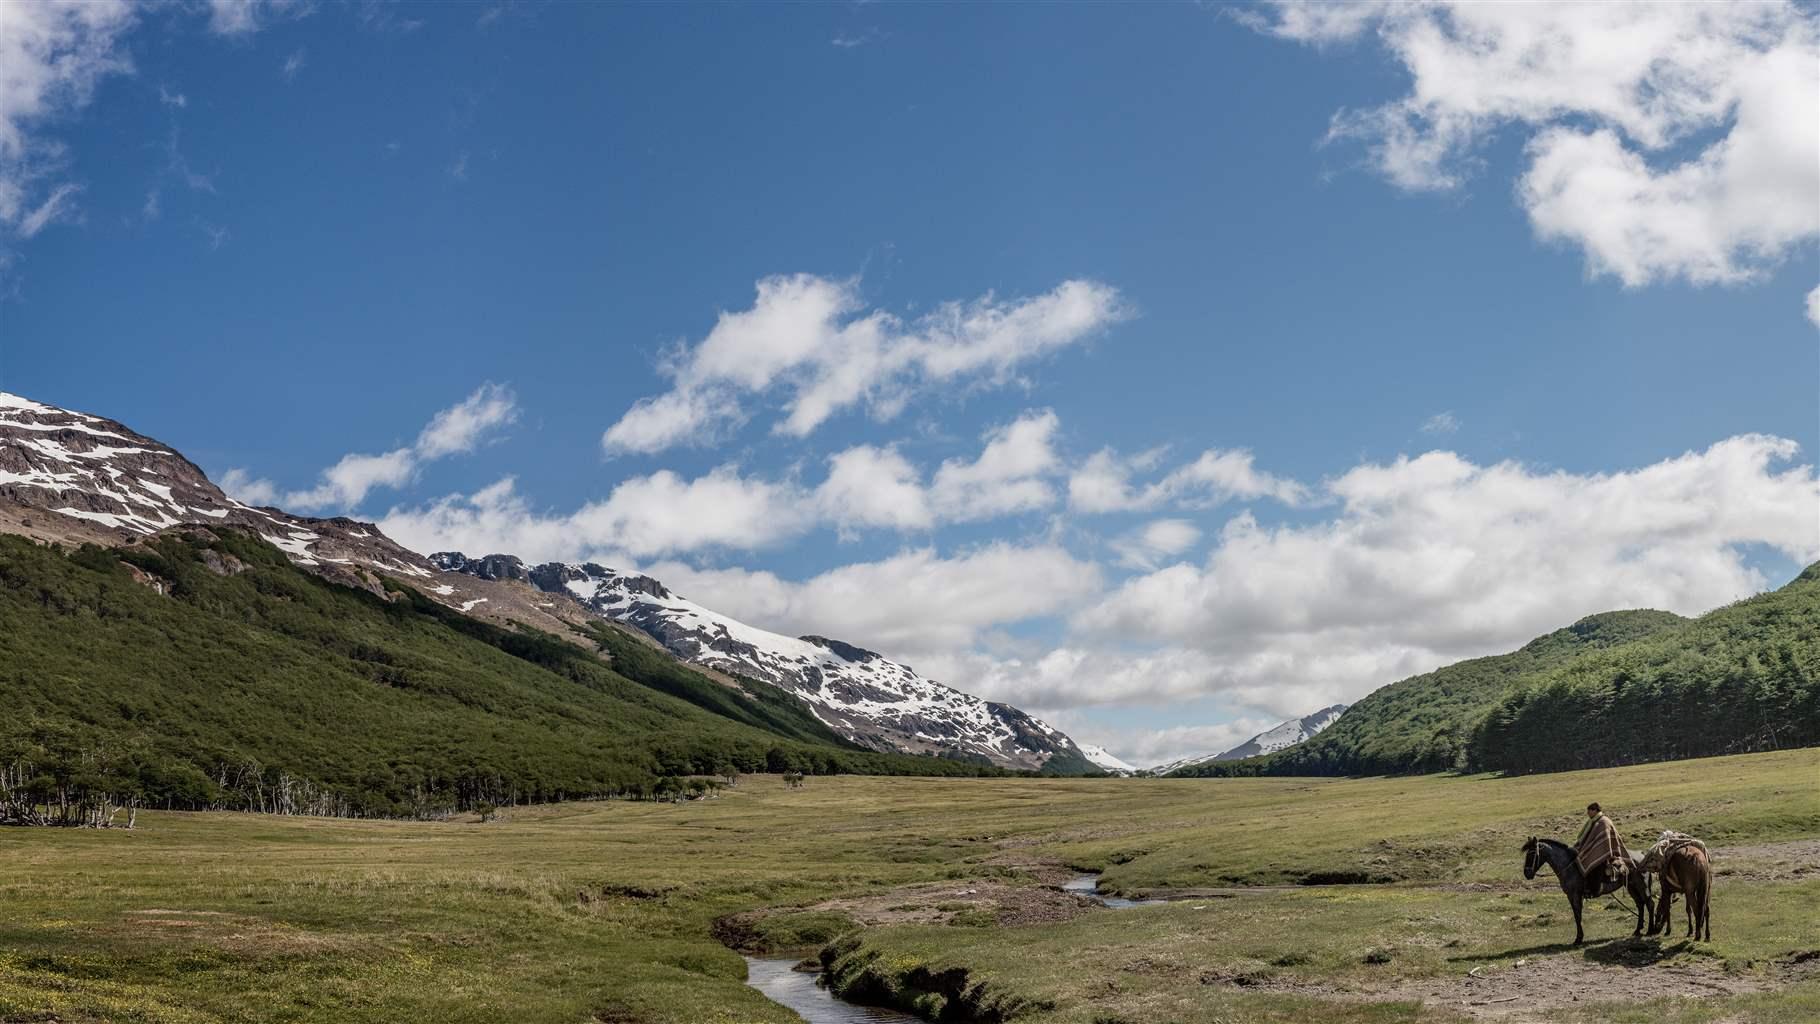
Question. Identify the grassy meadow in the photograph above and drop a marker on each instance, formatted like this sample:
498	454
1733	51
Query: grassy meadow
935	894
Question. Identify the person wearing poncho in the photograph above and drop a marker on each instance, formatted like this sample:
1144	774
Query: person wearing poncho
1600	848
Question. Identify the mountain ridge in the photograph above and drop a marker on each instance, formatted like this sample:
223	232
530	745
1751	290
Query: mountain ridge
72	477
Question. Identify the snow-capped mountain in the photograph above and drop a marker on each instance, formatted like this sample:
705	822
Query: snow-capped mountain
1287	734
99	480
863	696
1104	760
71	477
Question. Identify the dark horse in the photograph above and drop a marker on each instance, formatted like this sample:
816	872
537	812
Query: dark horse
1562	859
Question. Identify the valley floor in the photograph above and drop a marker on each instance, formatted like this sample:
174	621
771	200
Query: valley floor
938	894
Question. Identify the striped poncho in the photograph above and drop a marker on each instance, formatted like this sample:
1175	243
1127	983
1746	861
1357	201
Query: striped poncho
1600	844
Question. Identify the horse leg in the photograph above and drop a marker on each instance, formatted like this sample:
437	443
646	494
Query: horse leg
1579	932
1639	894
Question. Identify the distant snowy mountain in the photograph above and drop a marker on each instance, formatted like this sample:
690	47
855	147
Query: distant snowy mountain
1106	762
863	696
1288	734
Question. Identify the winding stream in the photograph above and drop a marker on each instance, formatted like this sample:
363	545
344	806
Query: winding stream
803	992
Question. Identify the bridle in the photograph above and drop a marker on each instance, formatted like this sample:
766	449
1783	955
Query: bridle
1532	857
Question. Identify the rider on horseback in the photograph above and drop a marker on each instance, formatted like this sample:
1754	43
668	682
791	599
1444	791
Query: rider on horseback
1600	849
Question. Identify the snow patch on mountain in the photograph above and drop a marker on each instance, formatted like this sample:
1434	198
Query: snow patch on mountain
1104	760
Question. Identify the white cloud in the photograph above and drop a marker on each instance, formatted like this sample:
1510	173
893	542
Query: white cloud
1146	546
51	58
1813	306
464	425
55	205
811	340
244	17
1103	482
1441	423
1621	99
869	486
293	65
456	429
243	487
172	99
1008	477
346	483
665	514
643	517
909	606
1433	558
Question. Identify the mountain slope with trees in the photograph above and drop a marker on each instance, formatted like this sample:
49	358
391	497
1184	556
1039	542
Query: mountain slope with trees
1616	688
1743	678
203	669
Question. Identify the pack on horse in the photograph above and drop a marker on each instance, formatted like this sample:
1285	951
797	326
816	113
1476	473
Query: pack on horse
1686	868
1595	866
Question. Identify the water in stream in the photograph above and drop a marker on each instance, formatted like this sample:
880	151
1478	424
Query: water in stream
804	994
1089	885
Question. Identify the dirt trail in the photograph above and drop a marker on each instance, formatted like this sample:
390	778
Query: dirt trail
1536	989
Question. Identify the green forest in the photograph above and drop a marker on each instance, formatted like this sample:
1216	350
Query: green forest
250	684
1612	689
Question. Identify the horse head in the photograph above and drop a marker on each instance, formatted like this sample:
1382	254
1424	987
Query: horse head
1532	858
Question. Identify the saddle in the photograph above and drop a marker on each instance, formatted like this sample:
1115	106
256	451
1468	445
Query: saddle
1666	846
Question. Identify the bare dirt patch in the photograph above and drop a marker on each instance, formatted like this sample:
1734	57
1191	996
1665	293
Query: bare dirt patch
1537	989
942	903
1759	862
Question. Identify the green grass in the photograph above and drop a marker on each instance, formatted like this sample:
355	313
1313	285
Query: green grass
605	911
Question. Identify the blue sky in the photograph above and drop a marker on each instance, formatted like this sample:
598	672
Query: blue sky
1295	246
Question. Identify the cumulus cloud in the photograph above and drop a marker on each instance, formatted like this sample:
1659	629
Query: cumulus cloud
642	517
811	342
1103	482
1430	559
1009	476
665	514
869	486
1813	306
459	428
1669	140
53	56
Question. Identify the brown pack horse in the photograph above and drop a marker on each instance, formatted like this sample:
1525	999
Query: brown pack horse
1686	871
1566	865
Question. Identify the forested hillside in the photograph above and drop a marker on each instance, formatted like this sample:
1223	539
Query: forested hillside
1743	678
1615	688
204	670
